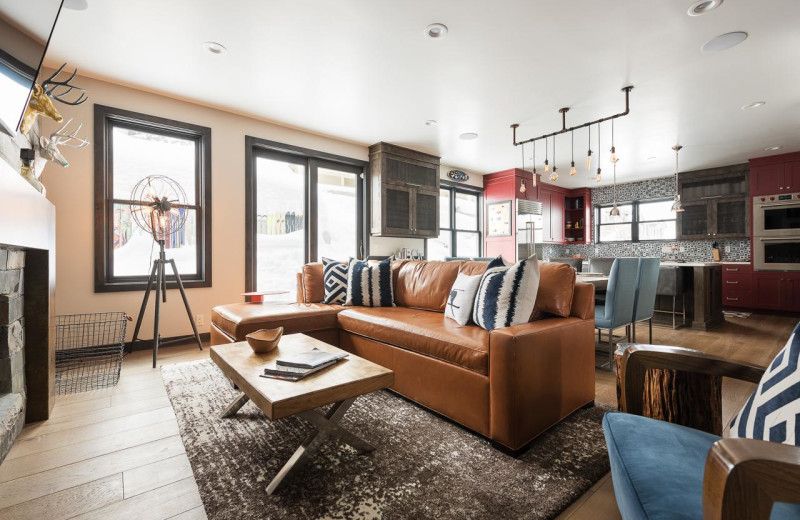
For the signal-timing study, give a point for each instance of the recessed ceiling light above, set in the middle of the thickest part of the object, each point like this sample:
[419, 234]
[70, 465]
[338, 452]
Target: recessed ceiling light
[723, 42]
[76, 5]
[651, 158]
[468, 136]
[772, 148]
[436, 31]
[754, 104]
[431, 122]
[703, 6]
[214, 47]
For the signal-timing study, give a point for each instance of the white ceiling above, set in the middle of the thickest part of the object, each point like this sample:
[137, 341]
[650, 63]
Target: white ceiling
[362, 71]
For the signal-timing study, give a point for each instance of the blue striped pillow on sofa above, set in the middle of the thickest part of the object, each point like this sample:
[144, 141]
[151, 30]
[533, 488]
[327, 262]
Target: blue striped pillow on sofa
[370, 285]
[773, 411]
[506, 295]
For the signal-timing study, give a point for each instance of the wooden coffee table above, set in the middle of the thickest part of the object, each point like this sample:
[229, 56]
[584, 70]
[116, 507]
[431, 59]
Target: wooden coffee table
[339, 385]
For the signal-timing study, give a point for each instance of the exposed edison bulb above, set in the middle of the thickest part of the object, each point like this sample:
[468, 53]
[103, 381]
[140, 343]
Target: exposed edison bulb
[546, 166]
[597, 177]
[534, 178]
[522, 188]
[573, 171]
[589, 161]
[614, 157]
[554, 175]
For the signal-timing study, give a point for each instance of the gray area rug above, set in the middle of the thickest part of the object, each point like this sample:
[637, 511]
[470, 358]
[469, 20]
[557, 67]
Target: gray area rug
[424, 466]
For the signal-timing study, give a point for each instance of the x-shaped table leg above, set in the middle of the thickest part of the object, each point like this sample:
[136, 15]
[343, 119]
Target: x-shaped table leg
[326, 425]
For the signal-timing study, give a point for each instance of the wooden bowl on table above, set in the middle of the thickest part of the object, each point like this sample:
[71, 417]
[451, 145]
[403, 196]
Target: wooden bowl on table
[264, 340]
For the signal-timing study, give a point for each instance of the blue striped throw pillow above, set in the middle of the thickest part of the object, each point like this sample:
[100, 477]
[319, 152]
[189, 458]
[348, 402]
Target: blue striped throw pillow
[773, 411]
[370, 285]
[334, 276]
[507, 295]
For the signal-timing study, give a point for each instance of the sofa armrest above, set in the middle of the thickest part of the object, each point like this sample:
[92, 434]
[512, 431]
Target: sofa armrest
[638, 358]
[744, 477]
[539, 372]
[583, 301]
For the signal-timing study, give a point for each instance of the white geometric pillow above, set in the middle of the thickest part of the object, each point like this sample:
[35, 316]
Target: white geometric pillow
[773, 411]
[507, 295]
[462, 296]
[334, 276]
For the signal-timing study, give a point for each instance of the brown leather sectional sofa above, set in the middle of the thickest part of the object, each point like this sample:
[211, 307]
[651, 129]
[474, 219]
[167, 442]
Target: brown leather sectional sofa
[509, 384]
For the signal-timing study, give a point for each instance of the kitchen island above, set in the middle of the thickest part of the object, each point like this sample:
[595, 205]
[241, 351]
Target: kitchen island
[704, 281]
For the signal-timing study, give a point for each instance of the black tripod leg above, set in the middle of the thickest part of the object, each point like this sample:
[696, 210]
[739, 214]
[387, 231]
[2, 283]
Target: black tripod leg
[186, 303]
[160, 275]
[144, 303]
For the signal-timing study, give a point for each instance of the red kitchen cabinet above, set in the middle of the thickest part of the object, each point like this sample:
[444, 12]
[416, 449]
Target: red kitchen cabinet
[769, 290]
[791, 177]
[775, 174]
[792, 288]
[506, 186]
[737, 285]
[553, 213]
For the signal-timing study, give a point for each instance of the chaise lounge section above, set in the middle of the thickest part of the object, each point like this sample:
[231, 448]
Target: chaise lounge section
[509, 384]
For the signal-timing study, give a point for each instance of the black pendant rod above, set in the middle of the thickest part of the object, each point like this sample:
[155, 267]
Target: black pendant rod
[564, 128]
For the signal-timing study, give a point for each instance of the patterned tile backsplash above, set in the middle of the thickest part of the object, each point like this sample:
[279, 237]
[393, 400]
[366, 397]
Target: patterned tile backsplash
[689, 250]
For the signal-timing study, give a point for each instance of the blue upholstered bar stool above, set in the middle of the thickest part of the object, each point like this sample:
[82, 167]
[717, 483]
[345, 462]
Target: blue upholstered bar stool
[644, 300]
[617, 310]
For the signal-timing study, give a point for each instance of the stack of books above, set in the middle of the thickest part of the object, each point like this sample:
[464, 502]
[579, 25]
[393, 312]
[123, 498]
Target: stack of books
[298, 366]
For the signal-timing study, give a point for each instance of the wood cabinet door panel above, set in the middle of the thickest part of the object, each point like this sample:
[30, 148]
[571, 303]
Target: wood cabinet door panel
[768, 179]
[426, 214]
[792, 177]
[695, 221]
[769, 290]
[397, 214]
[731, 218]
[557, 216]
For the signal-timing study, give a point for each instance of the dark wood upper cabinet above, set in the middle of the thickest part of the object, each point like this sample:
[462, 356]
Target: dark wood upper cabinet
[405, 192]
[715, 203]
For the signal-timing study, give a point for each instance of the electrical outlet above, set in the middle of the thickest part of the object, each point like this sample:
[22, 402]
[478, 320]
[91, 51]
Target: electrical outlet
[199, 320]
[727, 249]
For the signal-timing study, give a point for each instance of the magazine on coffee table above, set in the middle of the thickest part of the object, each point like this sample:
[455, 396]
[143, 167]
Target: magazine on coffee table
[311, 359]
[276, 370]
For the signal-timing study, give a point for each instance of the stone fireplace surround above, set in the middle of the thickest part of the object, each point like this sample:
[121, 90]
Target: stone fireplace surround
[27, 289]
[12, 347]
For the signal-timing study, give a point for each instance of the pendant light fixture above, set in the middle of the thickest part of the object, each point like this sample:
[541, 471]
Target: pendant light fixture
[615, 209]
[554, 175]
[599, 170]
[546, 162]
[572, 170]
[613, 150]
[534, 164]
[589, 153]
[676, 206]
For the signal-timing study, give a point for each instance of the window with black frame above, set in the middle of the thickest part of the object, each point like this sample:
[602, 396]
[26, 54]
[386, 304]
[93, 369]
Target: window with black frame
[638, 221]
[460, 232]
[301, 205]
[133, 146]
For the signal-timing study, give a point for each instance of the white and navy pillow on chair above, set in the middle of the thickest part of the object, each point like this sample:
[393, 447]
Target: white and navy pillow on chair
[334, 275]
[506, 295]
[773, 411]
[370, 285]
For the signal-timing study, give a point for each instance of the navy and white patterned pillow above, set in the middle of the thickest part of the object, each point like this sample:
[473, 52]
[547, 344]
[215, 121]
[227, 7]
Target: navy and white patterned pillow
[507, 295]
[370, 285]
[334, 276]
[773, 411]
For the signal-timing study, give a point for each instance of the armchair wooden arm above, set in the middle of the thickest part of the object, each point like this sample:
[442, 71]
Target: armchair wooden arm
[744, 477]
[638, 358]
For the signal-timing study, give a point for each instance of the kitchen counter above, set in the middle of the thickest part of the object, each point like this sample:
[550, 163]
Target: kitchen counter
[701, 264]
[706, 289]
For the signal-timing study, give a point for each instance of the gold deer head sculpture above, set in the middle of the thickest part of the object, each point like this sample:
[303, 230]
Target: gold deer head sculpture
[41, 104]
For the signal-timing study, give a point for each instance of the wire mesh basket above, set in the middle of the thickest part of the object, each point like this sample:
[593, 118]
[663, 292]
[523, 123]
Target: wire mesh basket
[89, 350]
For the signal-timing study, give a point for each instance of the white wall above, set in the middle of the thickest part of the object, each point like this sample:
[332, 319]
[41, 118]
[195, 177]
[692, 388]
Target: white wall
[72, 192]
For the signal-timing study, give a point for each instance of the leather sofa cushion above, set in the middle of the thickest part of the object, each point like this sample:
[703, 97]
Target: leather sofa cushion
[424, 332]
[473, 267]
[425, 285]
[240, 319]
[556, 289]
[313, 283]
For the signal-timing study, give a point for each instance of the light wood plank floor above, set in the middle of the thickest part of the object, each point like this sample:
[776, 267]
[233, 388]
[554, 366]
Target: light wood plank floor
[116, 453]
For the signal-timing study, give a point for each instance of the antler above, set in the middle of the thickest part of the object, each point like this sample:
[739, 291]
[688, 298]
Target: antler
[61, 137]
[51, 84]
